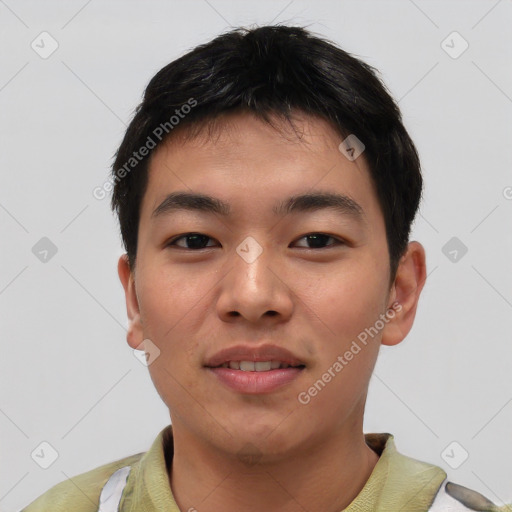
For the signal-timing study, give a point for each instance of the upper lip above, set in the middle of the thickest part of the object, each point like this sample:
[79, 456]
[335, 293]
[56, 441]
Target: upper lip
[252, 353]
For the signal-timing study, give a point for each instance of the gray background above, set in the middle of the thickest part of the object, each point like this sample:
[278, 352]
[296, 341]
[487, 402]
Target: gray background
[68, 376]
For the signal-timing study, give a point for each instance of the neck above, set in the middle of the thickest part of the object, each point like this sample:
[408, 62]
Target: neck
[326, 475]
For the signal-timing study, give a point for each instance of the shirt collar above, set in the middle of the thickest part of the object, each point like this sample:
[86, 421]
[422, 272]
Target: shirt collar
[396, 483]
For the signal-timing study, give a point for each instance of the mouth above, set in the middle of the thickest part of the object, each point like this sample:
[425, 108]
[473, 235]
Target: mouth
[255, 381]
[255, 370]
[258, 366]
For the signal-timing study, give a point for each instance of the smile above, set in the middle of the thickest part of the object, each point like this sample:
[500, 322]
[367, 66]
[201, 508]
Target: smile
[257, 366]
[255, 377]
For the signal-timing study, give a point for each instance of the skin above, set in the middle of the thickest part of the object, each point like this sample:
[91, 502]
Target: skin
[313, 301]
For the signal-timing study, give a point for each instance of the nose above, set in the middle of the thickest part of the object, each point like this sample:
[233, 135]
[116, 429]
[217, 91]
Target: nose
[257, 289]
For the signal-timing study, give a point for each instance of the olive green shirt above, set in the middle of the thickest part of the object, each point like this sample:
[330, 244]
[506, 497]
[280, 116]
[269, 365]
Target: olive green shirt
[397, 483]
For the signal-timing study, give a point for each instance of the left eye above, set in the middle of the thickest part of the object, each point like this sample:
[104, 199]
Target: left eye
[198, 240]
[319, 239]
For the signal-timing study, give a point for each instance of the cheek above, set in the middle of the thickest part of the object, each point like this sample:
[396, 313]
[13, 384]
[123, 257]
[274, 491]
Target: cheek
[352, 300]
[168, 297]
[170, 307]
[348, 305]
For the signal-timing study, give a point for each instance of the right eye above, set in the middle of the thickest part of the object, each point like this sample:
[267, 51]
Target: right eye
[193, 241]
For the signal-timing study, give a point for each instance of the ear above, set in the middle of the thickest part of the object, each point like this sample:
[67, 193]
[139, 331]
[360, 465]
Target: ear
[405, 293]
[134, 335]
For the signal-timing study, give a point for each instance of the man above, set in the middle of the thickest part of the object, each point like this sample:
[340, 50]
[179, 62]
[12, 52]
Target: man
[265, 190]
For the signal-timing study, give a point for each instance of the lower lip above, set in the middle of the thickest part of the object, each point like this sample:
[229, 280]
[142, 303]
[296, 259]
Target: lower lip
[256, 382]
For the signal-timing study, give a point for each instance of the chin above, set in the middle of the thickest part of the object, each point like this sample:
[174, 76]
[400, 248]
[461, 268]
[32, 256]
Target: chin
[271, 438]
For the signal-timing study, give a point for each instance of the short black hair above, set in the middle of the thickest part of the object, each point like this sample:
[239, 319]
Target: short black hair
[273, 70]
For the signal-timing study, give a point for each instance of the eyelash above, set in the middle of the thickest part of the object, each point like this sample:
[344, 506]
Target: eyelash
[172, 242]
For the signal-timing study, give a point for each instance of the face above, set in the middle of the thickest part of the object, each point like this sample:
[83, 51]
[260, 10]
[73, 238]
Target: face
[250, 307]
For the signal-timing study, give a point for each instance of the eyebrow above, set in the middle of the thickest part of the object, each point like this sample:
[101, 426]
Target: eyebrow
[308, 202]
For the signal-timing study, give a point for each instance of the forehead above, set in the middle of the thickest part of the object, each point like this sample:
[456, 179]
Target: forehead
[243, 159]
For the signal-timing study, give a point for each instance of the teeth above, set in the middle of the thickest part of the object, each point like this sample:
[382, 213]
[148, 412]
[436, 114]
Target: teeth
[255, 366]
[262, 366]
[247, 366]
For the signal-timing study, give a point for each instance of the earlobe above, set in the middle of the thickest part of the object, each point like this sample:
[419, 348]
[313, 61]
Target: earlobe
[404, 297]
[134, 333]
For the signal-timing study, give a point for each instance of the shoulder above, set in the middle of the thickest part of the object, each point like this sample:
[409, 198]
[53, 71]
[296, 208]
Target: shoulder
[79, 493]
[457, 498]
[409, 480]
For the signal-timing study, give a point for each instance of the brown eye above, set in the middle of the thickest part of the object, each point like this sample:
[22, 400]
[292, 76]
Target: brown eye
[193, 241]
[318, 240]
